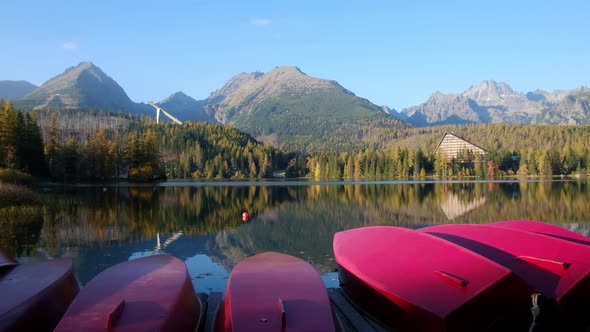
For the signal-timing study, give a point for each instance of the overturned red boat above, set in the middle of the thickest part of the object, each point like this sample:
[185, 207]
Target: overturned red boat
[275, 292]
[545, 229]
[413, 281]
[34, 296]
[559, 270]
[152, 293]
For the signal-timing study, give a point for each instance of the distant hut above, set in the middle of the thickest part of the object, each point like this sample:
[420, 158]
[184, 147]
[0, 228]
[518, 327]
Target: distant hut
[451, 145]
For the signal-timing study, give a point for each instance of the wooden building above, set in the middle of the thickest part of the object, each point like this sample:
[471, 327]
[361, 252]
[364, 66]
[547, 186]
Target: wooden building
[451, 145]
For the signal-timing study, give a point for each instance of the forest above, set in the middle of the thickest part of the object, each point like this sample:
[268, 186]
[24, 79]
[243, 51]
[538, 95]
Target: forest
[132, 148]
[76, 145]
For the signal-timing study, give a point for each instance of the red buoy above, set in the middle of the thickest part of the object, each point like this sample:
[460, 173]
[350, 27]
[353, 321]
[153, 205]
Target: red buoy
[245, 217]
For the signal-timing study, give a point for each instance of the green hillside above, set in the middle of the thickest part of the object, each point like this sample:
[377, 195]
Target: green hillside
[317, 122]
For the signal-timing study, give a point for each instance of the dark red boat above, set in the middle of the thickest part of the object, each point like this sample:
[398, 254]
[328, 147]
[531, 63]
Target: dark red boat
[559, 270]
[275, 292]
[34, 296]
[152, 293]
[545, 229]
[413, 281]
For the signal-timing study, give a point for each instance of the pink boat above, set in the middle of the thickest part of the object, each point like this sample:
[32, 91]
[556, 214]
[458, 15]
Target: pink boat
[560, 270]
[34, 296]
[545, 229]
[275, 292]
[152, 293]
[413, 281]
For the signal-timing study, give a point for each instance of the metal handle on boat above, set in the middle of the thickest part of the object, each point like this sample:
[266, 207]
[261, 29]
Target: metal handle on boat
[115, 314]
[544, 263]
[455, 279]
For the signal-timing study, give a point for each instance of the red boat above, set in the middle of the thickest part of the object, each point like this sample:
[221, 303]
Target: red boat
[6, 260]
[152, 293]
[559, 270]
[545, 229]
[275, 292]
[34, 296]
[413, 281]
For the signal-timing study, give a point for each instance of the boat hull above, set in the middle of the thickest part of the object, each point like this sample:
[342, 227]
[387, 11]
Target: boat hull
[152, 293]
[557, 269]
[275, 292]
[544, 229]
[34, 296]
[412, 281]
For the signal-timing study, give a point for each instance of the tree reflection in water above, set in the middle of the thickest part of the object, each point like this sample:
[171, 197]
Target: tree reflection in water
[99, 228]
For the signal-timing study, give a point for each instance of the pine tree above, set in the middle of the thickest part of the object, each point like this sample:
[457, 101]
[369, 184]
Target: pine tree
[132, 151]
[544, 163]
[478, 166]
[523, 170]
[440, 164]
[422, 173]
[71, 158]
[253, 171]
[418, 162]
[150, 148]
[349, 168]
[8, 132]
[19, 141]
[265, 167]
[358, 166]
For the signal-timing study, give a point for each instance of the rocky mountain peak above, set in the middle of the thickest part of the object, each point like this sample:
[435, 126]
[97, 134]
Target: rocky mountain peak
[496, 102]
[235, 83]
[83, 67]
[489, 91]
[292, 80]
[185, 107]
[86, 65]
[285, 103]
[81, 86]
[178, 97]
[286, 70]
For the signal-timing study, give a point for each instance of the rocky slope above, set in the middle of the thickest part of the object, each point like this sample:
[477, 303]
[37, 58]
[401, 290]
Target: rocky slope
[84, 86]
[287, 108]
[185, 108]
[497, 102]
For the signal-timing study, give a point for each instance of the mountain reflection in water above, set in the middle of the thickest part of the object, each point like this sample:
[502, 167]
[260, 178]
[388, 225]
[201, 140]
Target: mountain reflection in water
[202, 224]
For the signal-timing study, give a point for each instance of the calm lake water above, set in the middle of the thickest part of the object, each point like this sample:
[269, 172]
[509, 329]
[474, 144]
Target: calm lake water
[200, 222]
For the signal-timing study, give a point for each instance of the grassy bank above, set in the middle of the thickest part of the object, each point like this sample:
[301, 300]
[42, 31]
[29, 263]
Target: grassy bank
[15, 195]
[21, 218]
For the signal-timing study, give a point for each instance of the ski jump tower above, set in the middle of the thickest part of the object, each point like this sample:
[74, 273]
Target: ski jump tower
[159, 109]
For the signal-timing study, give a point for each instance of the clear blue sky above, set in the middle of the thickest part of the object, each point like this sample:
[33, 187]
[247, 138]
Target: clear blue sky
[394, 53]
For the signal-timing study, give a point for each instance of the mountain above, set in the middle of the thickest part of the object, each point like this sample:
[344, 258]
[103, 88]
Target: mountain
[490, 92]
[284, 107]
[497, 102]
[185, 107]
[442, 109]
[289, 109]
[15, 89]
[571, 108]
[84, 86]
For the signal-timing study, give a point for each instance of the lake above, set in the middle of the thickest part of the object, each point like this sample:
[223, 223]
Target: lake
[201, 222]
